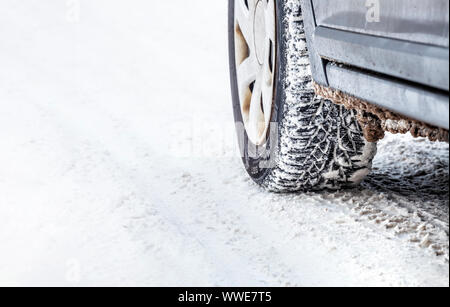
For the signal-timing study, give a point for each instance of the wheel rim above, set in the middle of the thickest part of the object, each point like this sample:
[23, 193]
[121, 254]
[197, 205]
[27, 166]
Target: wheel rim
[255, 41]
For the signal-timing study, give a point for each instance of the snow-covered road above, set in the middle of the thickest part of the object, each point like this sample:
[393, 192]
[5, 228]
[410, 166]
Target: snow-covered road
[118, 166]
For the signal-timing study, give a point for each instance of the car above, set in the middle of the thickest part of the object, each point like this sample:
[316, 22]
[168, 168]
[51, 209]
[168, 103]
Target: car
[316, 83]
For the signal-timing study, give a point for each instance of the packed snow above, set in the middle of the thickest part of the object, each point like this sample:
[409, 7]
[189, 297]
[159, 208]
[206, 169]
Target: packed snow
[118, 166]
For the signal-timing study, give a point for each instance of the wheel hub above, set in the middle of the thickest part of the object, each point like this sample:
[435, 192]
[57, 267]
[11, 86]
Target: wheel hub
[255, 42]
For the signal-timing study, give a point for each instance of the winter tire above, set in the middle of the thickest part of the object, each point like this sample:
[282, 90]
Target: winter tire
[290, 139]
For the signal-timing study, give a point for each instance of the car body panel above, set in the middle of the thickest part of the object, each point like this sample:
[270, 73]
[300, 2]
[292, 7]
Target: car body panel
[423, 64]
[402, 53]
[412, 101]
[420, 21]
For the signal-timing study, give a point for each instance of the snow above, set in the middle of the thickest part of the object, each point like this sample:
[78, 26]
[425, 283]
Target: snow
[118, 166]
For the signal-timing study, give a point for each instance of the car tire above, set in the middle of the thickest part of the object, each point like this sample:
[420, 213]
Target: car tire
[290, 140]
